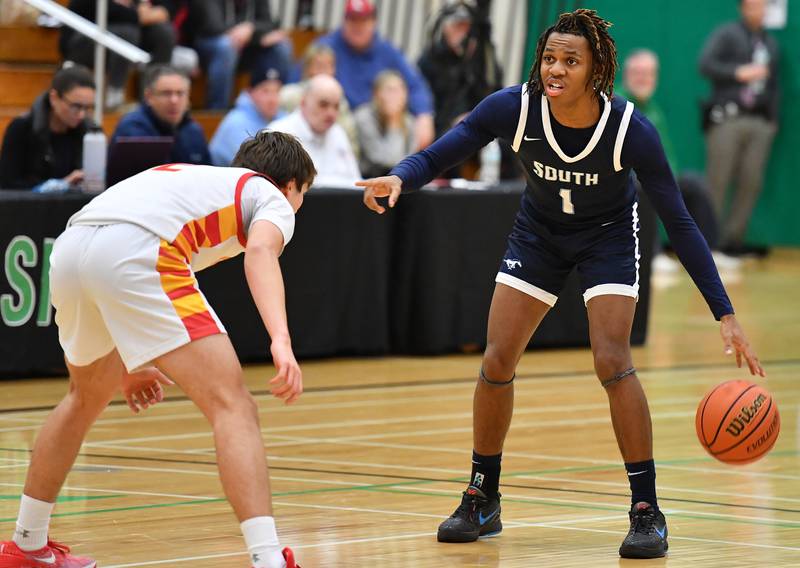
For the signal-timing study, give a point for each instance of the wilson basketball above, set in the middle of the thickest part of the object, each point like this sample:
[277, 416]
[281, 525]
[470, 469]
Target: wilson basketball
[737, 422]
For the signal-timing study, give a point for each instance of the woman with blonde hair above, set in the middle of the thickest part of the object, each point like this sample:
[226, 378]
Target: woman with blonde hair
[385, 126]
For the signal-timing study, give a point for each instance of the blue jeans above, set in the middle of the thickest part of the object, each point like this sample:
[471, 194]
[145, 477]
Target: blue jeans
[221, 59]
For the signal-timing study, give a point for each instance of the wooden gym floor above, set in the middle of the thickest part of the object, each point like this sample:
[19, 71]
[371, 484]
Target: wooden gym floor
[376, 453]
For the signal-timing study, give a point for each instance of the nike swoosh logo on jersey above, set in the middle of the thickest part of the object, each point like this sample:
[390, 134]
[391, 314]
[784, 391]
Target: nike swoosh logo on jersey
[530, 139]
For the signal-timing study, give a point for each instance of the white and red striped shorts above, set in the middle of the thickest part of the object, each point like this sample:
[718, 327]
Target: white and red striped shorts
[122, 286]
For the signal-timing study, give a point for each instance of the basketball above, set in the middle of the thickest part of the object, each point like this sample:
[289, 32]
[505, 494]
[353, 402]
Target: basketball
[737, 422]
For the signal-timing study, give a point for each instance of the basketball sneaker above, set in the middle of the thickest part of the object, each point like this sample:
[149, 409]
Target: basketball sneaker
[54, 555]
[647, 537]
[476, 516]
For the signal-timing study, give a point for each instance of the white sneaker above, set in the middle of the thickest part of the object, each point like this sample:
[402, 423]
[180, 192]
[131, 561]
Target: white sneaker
[725, 262]
[665, 265]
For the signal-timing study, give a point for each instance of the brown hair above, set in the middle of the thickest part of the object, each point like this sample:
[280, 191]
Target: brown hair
[277, 155]
[384, 77]
[154, 72]
[584, 23]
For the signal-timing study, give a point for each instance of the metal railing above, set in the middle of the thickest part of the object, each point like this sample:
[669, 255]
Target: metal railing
[100, 35]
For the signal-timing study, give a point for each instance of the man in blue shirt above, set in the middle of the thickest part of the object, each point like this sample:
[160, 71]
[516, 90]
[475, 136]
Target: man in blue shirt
[578, 144]
[255, 108]
[165, 113]
[361, 54]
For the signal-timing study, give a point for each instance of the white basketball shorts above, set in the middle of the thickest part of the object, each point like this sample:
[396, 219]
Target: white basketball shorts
[121, 286]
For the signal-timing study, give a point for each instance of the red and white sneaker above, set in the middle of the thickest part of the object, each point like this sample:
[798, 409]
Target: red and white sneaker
[54, 555]
[289, 556]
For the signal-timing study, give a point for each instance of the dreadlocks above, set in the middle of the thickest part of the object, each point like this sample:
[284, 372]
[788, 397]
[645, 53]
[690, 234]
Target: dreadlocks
[588, 24]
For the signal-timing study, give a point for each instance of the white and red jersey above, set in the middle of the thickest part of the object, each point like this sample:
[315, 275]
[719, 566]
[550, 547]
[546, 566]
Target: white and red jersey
[203, 214]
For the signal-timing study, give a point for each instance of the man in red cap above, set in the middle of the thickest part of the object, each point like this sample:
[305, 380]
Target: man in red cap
[361, 54]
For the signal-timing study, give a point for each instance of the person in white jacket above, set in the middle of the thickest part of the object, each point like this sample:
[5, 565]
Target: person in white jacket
[314, 124]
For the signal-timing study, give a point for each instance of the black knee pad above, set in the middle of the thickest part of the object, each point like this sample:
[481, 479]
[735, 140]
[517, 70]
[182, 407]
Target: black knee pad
[618, 377]
[492, 383]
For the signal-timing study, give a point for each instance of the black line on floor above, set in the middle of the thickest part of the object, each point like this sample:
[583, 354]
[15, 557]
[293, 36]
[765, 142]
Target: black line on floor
[433, 382]
[339, 473]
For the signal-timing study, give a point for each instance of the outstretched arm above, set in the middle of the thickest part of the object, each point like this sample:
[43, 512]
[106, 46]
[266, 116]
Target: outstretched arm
[494, 117]
[647, 157]
[264, 246]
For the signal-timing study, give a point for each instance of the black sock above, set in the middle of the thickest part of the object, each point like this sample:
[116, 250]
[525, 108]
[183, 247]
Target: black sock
[486, 473]
[642, 477]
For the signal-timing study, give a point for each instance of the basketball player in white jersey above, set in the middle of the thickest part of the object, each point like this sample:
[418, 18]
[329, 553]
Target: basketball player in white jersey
[130, 314]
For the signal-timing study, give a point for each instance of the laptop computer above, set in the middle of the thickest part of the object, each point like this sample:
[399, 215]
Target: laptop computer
[129, 155]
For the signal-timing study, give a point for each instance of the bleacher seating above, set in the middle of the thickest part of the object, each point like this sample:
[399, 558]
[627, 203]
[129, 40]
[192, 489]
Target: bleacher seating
[29, 56]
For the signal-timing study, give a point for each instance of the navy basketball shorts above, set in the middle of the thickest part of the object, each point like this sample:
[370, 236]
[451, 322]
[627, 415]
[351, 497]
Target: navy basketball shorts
[540, 257]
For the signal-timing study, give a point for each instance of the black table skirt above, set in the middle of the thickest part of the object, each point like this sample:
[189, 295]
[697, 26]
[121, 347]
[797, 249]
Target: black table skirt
[417, 280]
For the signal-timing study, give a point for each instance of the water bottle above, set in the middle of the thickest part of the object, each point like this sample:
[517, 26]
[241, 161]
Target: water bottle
[94, 161]
[490, 163]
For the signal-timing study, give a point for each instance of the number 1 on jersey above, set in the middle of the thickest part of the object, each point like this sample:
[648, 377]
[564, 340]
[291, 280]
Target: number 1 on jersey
[566, 201]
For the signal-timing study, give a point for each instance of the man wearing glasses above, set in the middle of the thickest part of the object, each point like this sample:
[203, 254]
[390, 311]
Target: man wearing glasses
[165, 112]
[43, 149]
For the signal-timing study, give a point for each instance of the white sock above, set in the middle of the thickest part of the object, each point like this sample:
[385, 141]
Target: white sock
[262, 542]
[32, 523]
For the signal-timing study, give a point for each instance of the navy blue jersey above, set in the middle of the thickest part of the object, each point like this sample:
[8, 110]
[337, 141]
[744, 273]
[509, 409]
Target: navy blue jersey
[578, 177]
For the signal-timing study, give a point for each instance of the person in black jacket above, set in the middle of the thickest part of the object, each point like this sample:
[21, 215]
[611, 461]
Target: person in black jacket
[46, 144]
[139, 22]
[231, 34]
[461, 67]
[460, 63]
[740, 59]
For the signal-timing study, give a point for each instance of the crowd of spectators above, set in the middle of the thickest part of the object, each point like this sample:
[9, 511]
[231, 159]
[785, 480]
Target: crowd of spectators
[359, 106]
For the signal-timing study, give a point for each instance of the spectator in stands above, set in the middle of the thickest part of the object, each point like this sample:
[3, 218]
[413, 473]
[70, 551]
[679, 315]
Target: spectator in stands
[361, 53]
[140, 22]
[320, 60]
[43, 149]
[255, 108]
[165, 113]
[640, 79]
[230, 35]
[741, 61]
[459, 62]
[385, 127]
[314, 123]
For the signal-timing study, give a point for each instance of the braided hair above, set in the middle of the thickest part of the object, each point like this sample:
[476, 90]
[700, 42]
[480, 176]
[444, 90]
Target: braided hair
[588, 24]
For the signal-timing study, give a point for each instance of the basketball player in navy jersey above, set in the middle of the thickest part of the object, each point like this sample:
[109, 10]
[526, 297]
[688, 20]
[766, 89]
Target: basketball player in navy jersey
[578, 144]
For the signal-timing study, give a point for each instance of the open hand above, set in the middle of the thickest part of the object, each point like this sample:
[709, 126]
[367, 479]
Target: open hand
[735, 342]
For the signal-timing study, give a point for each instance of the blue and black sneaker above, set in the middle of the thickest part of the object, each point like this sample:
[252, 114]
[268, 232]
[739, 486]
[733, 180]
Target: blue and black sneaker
[476, 516]
[648, 535]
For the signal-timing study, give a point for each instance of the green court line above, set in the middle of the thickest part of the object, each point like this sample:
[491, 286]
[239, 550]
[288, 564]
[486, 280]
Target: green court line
[389, 488]
[131, 508]
[67, 498]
